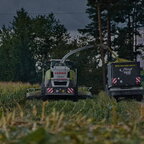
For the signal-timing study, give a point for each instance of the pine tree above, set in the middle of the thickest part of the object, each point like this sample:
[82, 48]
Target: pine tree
[28, 40]
[49, 38]
[25, 66]
[120, 22]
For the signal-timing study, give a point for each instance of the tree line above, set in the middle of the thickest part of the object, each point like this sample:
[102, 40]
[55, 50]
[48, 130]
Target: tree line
[26, 41]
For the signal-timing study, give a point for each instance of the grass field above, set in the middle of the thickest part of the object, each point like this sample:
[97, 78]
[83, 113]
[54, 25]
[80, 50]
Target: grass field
[99, 120]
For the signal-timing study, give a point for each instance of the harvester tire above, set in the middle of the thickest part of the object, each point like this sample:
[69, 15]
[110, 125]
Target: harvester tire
[75, 98]
[76, 91]
[42, 90]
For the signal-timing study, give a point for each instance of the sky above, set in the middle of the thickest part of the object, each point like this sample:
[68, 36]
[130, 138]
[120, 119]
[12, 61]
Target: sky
[71, 13]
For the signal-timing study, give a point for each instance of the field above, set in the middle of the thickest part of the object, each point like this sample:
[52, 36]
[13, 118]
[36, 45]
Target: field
[99, 120]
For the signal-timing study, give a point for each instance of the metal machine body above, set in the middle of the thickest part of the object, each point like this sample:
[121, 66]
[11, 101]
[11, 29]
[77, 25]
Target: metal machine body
[60, 79]
[123, 77]
[124, 80]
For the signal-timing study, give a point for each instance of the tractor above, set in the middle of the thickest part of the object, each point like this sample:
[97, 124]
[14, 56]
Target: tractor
[60, 79]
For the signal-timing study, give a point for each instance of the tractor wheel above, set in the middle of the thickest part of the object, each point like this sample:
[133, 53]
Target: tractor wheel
[139, 97]
[116, 98]
[76, 91]
[43, 96]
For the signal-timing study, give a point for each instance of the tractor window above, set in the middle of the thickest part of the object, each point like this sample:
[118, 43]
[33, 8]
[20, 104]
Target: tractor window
[60, 64]
[54, 63]
[67, 63]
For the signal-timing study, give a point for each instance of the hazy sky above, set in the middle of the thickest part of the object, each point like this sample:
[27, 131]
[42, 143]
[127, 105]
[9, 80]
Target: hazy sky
[71, 13]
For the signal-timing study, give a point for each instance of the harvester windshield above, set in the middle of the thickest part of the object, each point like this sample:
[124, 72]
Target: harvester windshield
[56, 62]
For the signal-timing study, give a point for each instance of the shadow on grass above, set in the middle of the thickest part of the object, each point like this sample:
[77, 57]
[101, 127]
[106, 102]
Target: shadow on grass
[61, 97]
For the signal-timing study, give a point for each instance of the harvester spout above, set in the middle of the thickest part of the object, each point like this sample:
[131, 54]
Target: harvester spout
[75, 51]
[84, 48]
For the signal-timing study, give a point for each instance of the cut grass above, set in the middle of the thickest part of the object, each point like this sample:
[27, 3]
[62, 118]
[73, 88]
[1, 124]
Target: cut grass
[12, 93]
[100, 120]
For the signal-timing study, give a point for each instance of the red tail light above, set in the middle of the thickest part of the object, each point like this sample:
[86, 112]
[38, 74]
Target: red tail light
[138, 80]
[114, 80]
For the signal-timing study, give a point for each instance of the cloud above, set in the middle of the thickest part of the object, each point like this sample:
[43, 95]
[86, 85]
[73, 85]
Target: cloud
[71, 13]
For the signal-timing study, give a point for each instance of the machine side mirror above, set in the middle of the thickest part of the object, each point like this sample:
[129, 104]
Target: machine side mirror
[38, 67]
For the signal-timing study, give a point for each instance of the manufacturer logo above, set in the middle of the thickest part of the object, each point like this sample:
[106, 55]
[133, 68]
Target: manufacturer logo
[126, 71]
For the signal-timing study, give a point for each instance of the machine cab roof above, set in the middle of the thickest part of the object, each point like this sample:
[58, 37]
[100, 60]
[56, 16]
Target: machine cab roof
[56, 62]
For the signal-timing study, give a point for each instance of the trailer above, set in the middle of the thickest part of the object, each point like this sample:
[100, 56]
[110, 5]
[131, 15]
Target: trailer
[124, 80]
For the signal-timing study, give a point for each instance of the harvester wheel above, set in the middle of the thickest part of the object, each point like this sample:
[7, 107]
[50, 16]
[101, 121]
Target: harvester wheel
[76, 91]
[42, 90]
[75, 97]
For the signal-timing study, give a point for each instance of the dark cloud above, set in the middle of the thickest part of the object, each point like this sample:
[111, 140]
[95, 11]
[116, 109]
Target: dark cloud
[71, 13]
